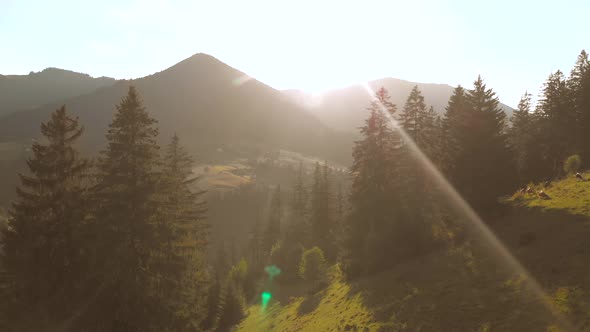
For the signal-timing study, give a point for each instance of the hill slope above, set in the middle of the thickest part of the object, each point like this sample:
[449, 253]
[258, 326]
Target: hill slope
[18, 92]
[467, 287]
[343, 109]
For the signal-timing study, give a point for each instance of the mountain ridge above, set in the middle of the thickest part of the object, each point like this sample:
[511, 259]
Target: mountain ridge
[343, 108]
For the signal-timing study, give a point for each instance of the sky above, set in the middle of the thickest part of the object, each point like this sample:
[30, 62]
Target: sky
[312, 45]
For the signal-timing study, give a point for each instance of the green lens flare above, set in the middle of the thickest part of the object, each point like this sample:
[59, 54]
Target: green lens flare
[266, 296]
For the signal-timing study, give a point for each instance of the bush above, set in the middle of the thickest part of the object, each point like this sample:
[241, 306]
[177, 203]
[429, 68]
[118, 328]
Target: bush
[312, 267]
[572, 164]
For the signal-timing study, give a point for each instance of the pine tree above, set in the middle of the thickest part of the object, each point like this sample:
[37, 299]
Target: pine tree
[418, 123]
[272, 233]
[42, 254]
[579, 88]
[524, 140]
[483, 163]
[558, 121]
[298, 229]
[182, 237]
[374, 183]
[454, 124]
[255, 245]
[131, 247]
[322, 226]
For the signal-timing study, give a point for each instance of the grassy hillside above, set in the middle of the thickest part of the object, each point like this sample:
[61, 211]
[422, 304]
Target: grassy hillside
[466, 287]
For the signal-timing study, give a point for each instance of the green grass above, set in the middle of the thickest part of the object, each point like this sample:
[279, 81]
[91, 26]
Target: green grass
[221, 177]
[331, 309]
[570, 195]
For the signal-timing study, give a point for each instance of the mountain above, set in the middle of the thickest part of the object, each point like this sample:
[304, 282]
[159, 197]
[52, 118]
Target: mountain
[19, 92]
[343, 109]
[210, 105]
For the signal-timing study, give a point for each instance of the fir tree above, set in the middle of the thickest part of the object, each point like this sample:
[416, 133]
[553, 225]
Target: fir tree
[579, 88]
[182, 237]
[133, 242]
[418, 123]
[557, 120]
[298, 229]
[42, 256]
[482, 158]
[374, 181]
[454, 124]
[272, 233]
[322, 226]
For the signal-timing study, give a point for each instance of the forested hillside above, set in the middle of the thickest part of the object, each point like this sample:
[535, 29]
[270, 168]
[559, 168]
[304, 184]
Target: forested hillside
[457, 222]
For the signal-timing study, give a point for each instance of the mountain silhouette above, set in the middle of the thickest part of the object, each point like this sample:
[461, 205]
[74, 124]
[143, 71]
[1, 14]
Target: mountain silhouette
[18, 92]
[209, 104]
[344, 109]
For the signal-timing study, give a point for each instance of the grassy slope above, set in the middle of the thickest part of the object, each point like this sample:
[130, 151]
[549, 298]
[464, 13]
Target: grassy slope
[466, 288]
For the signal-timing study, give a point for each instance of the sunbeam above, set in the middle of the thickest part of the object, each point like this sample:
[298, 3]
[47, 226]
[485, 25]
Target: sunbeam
[465, 210]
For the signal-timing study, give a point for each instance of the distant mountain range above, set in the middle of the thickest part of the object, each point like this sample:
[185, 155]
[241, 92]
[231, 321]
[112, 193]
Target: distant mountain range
[345, 109]
[210, 105]
[18, 92]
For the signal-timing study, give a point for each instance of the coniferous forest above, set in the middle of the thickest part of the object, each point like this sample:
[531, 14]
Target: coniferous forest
[121, 240]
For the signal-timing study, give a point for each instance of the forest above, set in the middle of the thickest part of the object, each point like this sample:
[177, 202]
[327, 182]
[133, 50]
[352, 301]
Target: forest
[121, 241]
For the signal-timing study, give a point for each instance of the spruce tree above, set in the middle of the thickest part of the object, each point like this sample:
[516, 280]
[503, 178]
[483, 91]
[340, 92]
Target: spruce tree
[298, 229]
[483, 163]
[132, 239]
[374, 182]
[524, 138]
[322, 226]
[558, 121]
[579, 89]
[43, 257]
[418, 123]
[454, 124]
[182, 238]
[272, 233]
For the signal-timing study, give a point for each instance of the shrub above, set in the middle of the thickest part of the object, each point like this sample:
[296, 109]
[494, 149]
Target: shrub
[312, 267]
[572, 164]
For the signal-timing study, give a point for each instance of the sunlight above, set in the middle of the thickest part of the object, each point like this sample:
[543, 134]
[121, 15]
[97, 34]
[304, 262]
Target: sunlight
[464, 209]
[241, 80]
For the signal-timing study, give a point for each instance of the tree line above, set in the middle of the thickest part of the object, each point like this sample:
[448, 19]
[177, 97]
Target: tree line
[394, 204]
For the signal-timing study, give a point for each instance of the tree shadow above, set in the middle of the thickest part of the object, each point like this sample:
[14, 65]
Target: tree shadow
[310, 303]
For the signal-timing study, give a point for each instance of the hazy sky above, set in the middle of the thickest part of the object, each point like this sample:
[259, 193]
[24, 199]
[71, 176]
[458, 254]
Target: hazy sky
[311, 45]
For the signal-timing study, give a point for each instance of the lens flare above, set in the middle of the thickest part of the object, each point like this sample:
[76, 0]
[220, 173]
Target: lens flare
[241, 80]
[459, 204]
[266, 296]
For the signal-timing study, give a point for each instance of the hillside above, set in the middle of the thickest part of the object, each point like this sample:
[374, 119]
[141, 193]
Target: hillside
[19, 92]
[343, 108]
[465, 288]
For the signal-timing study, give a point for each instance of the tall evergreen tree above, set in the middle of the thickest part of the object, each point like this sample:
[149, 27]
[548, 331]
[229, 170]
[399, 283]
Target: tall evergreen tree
[558, 121]
[132, 247]
[374, 183]
[298, 229]
[322, 225]
[418, 122]
[42, 255]
[454, 124]
[272, 233]
[482, 162]
[579, 88]
[182, 237]
[524, 140]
